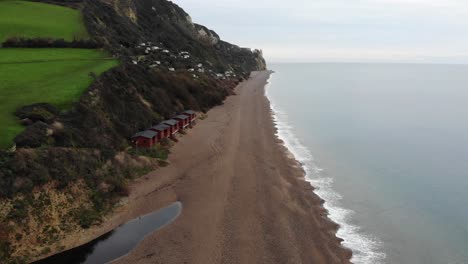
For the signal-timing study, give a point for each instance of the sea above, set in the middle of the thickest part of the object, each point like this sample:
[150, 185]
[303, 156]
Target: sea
[386, 147]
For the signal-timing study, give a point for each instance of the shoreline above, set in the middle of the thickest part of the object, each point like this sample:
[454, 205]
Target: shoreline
[246, 199]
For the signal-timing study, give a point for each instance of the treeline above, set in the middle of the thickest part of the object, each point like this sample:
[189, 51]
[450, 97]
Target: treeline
[49, 43]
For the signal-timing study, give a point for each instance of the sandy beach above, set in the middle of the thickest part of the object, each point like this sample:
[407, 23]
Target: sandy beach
[244, 198]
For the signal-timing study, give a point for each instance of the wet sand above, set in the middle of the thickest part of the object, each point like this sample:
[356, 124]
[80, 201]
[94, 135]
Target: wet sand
[245, 199]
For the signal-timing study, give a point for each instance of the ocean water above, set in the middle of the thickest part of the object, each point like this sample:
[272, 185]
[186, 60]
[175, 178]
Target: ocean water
[386, 146]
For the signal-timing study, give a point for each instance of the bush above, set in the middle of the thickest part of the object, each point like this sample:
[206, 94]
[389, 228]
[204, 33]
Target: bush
[156, 152]
[38, 112]
[87, 217]
[19, 211]
[49, 43]
[5, 250]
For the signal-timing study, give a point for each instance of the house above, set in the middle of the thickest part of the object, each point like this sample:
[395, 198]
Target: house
[192, 114]
[145, 138]
[173, 124]
[163, 130]
[172, 69]
[183, 120]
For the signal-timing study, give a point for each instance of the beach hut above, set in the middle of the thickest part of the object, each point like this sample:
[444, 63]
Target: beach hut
[192, 114]
[173, 124]
[145, 138]
[163, 130]
[183, 120]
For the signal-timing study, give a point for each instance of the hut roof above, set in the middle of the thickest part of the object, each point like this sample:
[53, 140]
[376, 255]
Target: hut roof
[160, 127]
[171, 122]
[146, 134]
[190, 112]
[181, 117]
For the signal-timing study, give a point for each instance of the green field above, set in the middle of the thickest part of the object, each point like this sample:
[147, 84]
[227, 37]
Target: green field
[30, 19]
[56, 76]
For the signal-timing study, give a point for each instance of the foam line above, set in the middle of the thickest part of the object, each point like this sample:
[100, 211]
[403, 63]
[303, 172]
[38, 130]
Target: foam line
[366, 248]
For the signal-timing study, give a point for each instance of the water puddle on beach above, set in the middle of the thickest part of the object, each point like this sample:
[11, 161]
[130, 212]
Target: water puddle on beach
[118, 242]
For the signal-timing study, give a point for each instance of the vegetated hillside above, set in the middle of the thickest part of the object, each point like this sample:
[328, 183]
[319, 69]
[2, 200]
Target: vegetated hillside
[55, 76]
[123, 24]
[28, 19]
[150, 37]
[70, 167]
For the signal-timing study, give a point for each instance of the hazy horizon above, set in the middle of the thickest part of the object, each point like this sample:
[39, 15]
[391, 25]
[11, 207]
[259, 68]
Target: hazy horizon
[404, 31]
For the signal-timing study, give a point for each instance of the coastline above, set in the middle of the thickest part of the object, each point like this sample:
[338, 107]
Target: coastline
[365, 248]
[245, 197]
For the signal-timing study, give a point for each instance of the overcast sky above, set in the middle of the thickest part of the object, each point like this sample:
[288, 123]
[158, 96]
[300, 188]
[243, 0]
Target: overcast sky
[341, 30]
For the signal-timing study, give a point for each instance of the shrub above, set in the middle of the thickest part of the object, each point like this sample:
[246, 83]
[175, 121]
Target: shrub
[19, 210]
[87, 217]
[156, 152]
[49, 43]
[5, 249]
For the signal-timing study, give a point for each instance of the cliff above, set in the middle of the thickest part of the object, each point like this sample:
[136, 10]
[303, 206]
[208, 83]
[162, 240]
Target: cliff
[71, 167]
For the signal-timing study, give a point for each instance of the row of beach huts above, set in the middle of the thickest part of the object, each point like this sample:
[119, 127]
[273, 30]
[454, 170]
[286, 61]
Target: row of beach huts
[165, 129]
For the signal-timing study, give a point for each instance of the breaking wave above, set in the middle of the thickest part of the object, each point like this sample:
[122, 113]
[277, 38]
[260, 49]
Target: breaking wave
[366, 249]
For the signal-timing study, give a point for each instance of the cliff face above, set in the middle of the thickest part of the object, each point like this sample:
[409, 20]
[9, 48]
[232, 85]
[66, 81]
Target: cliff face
[123, 24]
[168, 64]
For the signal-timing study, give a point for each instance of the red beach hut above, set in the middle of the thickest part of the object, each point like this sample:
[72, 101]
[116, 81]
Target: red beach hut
[173, 124]
[145, 138]
[183, 120]
[163, 130]
[192, 114]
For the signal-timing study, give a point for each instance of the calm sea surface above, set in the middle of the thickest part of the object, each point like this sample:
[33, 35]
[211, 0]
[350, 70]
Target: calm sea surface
[387, 147]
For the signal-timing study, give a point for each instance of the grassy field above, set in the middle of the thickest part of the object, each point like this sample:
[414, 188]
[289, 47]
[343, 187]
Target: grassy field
[56, 76]
[30, 19]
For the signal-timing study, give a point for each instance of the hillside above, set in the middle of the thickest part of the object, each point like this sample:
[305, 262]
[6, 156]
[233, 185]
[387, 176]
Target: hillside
[55, 76]
[73, 160]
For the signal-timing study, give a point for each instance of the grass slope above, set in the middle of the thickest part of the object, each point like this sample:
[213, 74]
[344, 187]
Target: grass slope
[31, 19]
[56, 76]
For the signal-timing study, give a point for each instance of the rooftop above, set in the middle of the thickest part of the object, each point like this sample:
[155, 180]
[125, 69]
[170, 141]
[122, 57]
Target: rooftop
[171, 122]
[181, 117]
[190, 112]
[160, 127]
[146, 134]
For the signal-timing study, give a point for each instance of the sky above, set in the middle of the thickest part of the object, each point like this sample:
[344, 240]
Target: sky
[415, 31]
